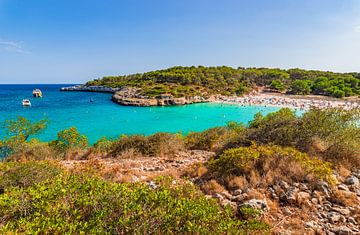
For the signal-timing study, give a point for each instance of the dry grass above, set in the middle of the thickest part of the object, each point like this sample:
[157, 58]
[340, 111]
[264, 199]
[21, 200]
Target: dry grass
[345, 198]
[195, 170]
[212, 186]
[236, 182]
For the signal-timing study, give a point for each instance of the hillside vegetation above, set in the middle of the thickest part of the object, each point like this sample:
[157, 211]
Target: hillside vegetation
[38, 194]
[190, 81]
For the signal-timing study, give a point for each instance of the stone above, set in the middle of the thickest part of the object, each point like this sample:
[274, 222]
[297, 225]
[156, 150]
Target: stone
[352, 180]
[286, 211]
[314, 200]
[226, 202]
[290, 195]
[301, 197]
[226, 194]
[342, 230]
[217, 196]
[238, 198]
[342, 211]
[333, 217]
[310, 224]
[152, 185]
[351, 220]
[343, 187]
[283, 184]
[237, 192]
[257, 204]
[322, 186]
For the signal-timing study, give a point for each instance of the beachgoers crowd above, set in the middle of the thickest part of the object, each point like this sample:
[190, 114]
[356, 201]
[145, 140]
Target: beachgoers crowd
[267, 100]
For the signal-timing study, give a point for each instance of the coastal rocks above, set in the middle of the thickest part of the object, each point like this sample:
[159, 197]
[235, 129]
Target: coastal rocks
[90, 88]
[130, 96]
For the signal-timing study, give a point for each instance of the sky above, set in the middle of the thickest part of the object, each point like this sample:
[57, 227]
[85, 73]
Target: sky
[73, 41]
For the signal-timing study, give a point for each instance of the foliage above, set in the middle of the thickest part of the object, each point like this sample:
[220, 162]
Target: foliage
[103, 145]
[18, 132]
[301, 87]
[190, 81]
[335, 132]
[80, 204]
[209, 140]
[270, 162]
[69, 138]
[277, 85]
[24, 175]
[277, 128]
[157, 145]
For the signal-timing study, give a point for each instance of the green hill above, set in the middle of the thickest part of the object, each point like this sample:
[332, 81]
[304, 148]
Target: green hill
[189, 81]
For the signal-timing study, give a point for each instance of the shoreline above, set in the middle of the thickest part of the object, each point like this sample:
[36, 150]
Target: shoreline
[289, 101]
[265, 99]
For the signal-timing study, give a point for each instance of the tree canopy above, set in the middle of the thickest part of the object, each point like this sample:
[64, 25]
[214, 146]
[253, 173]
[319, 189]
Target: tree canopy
[190, 81]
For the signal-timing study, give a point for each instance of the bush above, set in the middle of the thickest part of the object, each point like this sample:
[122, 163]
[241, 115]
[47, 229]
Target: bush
[209, 140]
[103, 146]
[23, 175]
[157, 145]
[68, 139]
[277, 85]
[338, 132]
[77, 204]
[276, 128]
[18, 132]
[269, 163]
[34, 150]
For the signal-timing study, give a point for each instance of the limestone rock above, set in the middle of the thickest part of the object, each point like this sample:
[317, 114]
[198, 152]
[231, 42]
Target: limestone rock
[257, 204]
[352, 180]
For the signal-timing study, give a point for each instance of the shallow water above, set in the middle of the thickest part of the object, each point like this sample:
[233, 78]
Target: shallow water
[105, 118]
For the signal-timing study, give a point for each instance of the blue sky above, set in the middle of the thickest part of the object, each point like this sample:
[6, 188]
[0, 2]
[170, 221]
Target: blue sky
[72, 41]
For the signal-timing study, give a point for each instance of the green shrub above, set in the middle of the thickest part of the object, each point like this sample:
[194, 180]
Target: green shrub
[336, 131]
[103, 145]
[210, 140]
[77, 204]
[18, 132]
[23, 175]
[277, 85]
[277, 128]
[270, 163]
[68, 139]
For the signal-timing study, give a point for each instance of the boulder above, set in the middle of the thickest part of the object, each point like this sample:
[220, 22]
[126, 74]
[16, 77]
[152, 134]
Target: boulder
[333, 217]
[301, 197]
[342, 230]
[343, 187]
[290, 195]
[257, 204]
[342, 211]
[352, 180]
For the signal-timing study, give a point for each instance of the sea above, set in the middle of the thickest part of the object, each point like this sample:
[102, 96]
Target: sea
[96, 116]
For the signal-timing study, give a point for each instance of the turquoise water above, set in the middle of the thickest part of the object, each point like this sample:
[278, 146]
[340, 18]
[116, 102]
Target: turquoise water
[104, 118]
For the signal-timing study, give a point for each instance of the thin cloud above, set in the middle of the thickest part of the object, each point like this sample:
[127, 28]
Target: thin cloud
[12, 46]
[357, 29]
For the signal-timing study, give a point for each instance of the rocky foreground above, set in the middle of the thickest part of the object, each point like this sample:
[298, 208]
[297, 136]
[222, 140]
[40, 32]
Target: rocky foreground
[291, 208]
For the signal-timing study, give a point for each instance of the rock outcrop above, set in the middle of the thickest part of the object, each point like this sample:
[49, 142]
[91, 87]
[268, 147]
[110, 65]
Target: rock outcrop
[130, 96]
[302, 208]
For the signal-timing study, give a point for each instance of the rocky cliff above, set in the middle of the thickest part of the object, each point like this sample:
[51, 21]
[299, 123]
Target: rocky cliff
[130, 96]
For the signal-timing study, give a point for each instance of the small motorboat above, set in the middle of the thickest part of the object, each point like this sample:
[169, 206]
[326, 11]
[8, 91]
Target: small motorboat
[26, 102]
[37, 93]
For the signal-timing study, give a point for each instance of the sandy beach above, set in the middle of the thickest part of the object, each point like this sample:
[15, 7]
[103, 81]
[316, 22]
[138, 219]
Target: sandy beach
[290, 101]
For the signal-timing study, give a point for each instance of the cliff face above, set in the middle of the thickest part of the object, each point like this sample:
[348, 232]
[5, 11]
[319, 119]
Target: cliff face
[130, 97]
